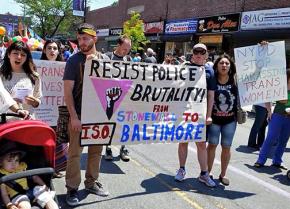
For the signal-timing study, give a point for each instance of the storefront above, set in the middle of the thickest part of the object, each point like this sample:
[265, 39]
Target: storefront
[102, 43]
[153, 32]
[114, 34]
[178, 36]
[217, 32]
[270, 25]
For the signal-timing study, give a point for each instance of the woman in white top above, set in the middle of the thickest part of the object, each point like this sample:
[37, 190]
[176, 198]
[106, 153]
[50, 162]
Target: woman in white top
[19, 76]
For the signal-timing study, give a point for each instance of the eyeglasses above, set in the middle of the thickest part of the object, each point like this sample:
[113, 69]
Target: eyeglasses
[226, 63]
[196, 52]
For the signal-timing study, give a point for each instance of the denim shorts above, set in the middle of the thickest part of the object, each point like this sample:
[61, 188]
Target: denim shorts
[226, 131]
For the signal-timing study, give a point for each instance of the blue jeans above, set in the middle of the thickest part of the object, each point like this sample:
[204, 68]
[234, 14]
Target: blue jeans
[279, 130]
[259, 127]
[226, 131]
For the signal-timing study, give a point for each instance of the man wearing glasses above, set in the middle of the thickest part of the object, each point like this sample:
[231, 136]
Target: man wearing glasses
[198, 59]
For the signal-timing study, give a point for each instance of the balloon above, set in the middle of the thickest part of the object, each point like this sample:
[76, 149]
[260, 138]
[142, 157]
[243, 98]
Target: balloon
[2, 31]
[25, 39]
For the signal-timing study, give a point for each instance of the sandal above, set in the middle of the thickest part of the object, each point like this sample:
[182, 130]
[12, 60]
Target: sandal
[225, 181]
[258, 165]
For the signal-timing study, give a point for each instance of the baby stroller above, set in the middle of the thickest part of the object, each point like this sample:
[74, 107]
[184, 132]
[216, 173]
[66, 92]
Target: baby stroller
[37, 139]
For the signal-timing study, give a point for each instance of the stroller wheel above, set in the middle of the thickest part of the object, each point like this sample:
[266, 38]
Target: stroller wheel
[288, 174]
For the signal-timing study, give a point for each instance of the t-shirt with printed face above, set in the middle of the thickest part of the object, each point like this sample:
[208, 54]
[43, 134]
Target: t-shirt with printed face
[225, 103]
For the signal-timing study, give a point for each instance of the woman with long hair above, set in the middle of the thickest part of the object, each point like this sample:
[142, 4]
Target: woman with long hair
[224, 113]
[19, 76]
[51, 52]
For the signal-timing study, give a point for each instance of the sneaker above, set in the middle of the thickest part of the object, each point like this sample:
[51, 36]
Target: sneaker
[98, 189]
[280, 166]
[180, 175]
[124, 155]
[207, 180]
[72, 198]
[108, 154]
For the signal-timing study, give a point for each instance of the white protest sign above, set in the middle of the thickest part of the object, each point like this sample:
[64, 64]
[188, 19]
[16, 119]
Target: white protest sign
[51, 74]
[133, 103]
[261, 73]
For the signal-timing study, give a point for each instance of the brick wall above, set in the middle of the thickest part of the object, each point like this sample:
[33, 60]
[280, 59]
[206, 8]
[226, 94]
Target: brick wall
[172, 9]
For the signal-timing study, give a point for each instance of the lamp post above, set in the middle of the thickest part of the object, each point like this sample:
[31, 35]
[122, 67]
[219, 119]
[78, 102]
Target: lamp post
[85, 10]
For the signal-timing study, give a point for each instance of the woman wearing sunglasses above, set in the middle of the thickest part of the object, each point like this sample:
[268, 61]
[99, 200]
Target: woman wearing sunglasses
[223, 115]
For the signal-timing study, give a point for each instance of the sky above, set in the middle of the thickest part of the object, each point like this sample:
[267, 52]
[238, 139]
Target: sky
[14, 8]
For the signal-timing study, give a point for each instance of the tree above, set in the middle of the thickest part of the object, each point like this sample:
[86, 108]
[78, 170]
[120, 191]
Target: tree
[134, 28]
[49, 16]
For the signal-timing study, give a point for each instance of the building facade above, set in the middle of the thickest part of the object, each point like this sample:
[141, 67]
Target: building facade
[218, 22]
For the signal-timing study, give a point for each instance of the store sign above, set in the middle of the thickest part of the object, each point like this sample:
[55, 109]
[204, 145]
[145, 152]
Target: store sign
[116, 31]
[180, 26]
[219, 24]
[102, 32]
[154, 27]
[266, 19]
[212, 39]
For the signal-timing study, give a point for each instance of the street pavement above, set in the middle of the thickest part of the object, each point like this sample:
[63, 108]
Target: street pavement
[147, 181]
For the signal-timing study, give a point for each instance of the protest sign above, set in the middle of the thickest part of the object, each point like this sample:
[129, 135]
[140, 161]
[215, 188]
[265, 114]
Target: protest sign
[261, 73]
[133, 103]
[51, 74]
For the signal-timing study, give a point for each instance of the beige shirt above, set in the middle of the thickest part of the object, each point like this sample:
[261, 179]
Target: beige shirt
[20, 82]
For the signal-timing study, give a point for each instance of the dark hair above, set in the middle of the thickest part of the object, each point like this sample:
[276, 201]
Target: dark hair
[122, 38]
[28, 66]
[232, 71]
[10, 155]
[84, 26]
[43, 55]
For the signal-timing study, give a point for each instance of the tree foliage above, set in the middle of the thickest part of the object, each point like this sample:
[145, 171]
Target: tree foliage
[49, 16]
[134, 28]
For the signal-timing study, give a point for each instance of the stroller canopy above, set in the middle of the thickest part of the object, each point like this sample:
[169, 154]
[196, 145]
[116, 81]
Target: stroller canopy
[31, 132]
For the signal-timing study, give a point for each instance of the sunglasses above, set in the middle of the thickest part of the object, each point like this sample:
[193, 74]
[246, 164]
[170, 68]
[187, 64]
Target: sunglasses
[196, 52]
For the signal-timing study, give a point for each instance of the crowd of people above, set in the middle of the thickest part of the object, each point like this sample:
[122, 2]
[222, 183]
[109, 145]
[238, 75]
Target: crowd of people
[18, 71]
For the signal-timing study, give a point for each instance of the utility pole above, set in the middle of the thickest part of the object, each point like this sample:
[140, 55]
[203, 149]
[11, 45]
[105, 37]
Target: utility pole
[85, 10]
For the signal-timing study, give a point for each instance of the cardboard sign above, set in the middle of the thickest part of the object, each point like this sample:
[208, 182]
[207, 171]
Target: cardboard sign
[133, 103]
[261, 73]
[51, 74]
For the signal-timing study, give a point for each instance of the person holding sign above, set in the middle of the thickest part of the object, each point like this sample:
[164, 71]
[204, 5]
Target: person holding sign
[278, 130]
[223, 115]
[51, 51]
[198, 59]
[73, 85]
[121, 53]
[19, 76]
